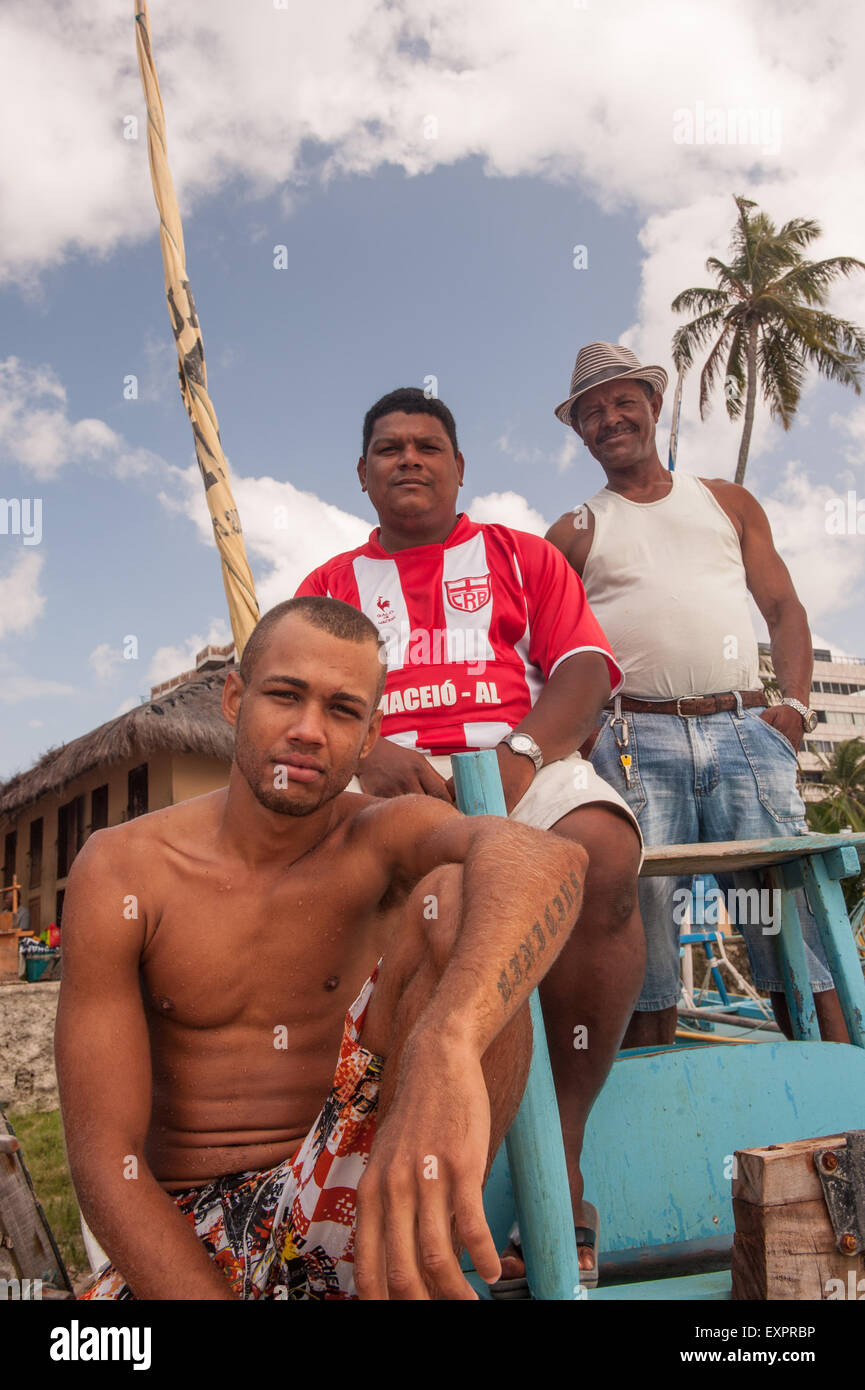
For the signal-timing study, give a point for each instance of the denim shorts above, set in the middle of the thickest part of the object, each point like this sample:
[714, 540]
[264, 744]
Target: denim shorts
[724, 776]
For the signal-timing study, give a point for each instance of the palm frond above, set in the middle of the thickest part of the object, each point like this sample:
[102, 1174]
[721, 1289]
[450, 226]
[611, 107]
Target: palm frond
[711, 370]
[695, 334]
[800, 231]
[700, 298]
[835, 347]
[729, 275]
[735, 380]
[782, 373]
[810, 280]
[837, 335]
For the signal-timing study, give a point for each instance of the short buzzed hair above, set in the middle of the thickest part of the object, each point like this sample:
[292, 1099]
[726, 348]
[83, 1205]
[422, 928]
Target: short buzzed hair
[409, 400]
[329, 615]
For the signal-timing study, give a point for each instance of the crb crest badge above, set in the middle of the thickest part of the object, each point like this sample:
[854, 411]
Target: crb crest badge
[468, 595]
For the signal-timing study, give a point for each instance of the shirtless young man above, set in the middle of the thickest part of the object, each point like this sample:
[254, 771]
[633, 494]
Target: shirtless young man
[211, 951]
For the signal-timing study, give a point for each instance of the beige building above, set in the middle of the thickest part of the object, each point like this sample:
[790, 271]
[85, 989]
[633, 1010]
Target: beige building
[174, 746]
[838, 696]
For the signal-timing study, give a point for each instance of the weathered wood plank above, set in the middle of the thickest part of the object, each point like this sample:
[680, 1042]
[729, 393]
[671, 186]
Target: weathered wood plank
[19, 1222]
[758, 1272]
[22, 1222]
[798, 1228]
[781, 1174]
[740, 854]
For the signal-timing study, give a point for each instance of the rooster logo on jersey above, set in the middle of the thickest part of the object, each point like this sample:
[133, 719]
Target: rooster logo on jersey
[468, 595]
[385, 613]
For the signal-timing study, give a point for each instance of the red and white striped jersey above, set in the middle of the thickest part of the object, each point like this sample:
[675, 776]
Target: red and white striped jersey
[474, 628]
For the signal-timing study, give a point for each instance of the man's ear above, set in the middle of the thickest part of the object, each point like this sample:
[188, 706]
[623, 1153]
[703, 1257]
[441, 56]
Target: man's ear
[232, 694]
[361, 472]
[372, 733]
[461, 467]
[655, 405]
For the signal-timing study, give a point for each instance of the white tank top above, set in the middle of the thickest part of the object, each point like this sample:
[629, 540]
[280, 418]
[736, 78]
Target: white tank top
[666, 581]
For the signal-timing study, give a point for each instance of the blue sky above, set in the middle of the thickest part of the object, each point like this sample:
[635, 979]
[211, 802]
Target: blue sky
[452, 259]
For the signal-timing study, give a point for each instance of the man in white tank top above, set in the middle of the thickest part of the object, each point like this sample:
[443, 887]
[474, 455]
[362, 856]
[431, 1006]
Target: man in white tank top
[667, 561]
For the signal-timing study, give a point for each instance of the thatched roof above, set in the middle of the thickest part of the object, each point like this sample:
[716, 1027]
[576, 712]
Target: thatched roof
[187, 719]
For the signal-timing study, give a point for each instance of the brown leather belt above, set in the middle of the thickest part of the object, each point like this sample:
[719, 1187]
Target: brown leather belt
[689, 706]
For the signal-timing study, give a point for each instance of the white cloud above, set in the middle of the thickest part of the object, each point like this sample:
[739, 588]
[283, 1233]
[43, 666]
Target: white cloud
[105, 660]
[851, 425]
[16, 685]
[823, 644]
[172, 661]
[287, 532]
[37, 433]
[126, 706]
[567, 453]
[534, 457]
[21, 601]
[282, 98]
[827, 570]
[278, 97]
[508, 509]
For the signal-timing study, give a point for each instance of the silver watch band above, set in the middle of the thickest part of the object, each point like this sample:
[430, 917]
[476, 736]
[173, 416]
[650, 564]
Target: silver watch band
[525, 747]
[797, 704]
[808, 716]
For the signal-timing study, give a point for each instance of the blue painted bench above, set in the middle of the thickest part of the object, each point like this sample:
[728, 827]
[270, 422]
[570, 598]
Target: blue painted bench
[662, 1134]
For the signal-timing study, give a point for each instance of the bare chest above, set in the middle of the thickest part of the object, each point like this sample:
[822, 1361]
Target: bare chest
[285, 957]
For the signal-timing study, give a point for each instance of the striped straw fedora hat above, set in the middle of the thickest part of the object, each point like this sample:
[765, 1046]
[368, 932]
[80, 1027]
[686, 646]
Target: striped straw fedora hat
[599, 362]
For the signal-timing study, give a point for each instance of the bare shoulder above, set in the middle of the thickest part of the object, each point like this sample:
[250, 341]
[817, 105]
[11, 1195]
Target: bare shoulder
[733, 494]
[395, 819]
[129, 859]
[135, 840]
[399, 837]
[740, 505]
[572, 534]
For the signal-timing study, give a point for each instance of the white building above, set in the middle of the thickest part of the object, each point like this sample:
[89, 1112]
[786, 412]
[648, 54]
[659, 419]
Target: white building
[838, 696]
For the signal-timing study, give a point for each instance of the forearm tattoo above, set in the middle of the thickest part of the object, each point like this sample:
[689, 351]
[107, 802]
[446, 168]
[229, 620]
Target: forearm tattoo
[557, 913]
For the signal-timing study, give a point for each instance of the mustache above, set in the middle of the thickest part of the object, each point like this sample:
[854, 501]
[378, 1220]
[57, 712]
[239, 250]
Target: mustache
[619, 429]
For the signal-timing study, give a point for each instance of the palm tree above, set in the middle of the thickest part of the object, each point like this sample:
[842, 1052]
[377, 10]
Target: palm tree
[771, 688]
[843, 807]
[767, 320]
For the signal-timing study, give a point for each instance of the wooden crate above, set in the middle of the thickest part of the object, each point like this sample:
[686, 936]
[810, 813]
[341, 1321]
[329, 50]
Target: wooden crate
[784, 1246]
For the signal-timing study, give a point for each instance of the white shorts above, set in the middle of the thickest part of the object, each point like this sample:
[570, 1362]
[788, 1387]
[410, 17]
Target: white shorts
[559, 787]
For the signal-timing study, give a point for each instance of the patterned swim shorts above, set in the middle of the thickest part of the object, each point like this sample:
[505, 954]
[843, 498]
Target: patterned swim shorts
[288, 1233]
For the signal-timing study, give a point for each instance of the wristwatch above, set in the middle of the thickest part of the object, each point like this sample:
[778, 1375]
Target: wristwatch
[809, 716]
[526, 746]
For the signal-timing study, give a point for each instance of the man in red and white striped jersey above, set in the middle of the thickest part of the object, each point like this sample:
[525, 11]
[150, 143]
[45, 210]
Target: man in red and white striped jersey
[491, 644]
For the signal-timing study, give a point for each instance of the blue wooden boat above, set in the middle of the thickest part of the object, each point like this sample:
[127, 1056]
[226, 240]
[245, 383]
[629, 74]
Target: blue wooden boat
[662, 1135]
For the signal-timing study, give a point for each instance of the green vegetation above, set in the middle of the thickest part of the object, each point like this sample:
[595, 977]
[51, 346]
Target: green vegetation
[41, 1138]
[767, 318]
[843, 807]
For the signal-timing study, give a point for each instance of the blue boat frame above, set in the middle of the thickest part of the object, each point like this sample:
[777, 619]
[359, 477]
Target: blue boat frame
[663, 1134]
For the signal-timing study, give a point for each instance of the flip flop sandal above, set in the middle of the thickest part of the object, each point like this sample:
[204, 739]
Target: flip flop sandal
[519, 1288]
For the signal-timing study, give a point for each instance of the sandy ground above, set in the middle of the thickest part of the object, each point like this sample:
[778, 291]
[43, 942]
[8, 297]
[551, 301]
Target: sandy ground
[27, 1077]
